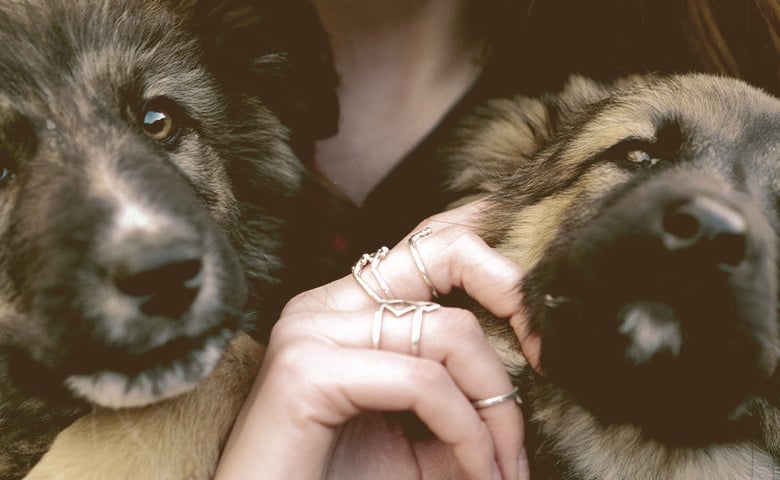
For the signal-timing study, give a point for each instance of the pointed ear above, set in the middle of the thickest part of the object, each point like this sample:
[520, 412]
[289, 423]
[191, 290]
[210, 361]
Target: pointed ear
[499, 138]
[275, 49]
[503, 136]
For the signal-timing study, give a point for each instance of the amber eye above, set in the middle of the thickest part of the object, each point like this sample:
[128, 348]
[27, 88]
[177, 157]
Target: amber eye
[158, 119]
[641, 158]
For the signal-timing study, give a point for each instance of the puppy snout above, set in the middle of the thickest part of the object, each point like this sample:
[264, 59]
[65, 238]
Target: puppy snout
[163, 280]
[708, 229]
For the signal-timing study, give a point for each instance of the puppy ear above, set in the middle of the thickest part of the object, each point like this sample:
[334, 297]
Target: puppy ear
[505, 135]
[275, 49]
[499, 138]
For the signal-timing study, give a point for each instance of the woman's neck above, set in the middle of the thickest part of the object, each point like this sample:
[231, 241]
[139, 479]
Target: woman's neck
[402, 65]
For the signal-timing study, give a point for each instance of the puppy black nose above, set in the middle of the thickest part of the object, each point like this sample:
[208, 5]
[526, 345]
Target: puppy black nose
[164, 280]
[708, 228]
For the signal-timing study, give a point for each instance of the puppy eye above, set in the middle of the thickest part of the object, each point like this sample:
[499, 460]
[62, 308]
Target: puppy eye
[158, 124]
[634, 154]
[159, 121]
[641, 158]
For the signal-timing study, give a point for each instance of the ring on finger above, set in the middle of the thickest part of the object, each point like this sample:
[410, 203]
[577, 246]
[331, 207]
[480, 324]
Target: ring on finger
[418, 259]
[490, 401]
[375, 261]
[372, 259]
[400, 308]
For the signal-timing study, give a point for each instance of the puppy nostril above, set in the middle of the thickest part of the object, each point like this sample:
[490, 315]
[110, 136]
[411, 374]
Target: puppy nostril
[681, 225]
[165, 281]
[707, 227]
[180, 274]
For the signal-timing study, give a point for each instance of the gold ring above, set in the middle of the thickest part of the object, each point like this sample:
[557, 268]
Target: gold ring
[372, 259]
[400, 308]
[418, 260]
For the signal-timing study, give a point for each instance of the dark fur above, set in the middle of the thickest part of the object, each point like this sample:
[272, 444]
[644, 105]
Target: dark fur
[659, 330]
[120, 253]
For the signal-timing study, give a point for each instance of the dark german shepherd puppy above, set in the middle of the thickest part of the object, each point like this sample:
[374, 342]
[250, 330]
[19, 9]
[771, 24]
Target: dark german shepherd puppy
[647, 218]
[148, 166]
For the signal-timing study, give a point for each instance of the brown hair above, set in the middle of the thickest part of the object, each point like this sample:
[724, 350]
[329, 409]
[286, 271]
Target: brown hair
[740, 39]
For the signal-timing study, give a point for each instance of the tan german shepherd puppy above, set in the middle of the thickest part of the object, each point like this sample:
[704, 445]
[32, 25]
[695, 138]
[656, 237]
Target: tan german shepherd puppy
[647, 218]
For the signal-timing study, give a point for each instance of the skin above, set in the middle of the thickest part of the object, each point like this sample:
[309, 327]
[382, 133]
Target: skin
[322, 412]
[402, 64]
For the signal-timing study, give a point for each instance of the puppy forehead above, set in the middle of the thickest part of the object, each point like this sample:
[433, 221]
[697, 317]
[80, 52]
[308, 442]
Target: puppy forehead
[703, 108]
[63, 41]
[728, 117]
[56, 69]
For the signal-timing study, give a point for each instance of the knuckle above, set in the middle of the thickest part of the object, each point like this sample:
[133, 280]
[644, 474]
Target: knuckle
[283, 331]
[296, 303]
[429, 373]
[293, 379]
[443, 225]
[466, 326]
[287, 362]
[469, 241]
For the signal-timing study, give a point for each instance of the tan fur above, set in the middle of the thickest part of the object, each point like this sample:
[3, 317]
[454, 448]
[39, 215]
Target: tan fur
[179, 439]
[620, 452]
[503, 153]
[526, 239]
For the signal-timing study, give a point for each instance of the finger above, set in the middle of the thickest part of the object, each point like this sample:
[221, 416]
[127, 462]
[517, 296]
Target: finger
[346, 380]
[456, 257]
[530, 341]
[453, 256]
[449, 336]
[454, 338]
[506, 426]
[300, 409]
[484, 274]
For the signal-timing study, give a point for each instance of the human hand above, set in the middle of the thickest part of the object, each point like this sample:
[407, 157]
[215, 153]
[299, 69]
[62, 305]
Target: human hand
[306, 415]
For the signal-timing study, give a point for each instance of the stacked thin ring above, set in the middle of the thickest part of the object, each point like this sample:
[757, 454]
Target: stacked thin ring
[395, 306]
[378, 257]
[373, 259]
[400, 307]
[418, 260]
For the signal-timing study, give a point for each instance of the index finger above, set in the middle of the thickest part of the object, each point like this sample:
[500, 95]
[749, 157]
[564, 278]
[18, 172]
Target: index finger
[454, 257]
